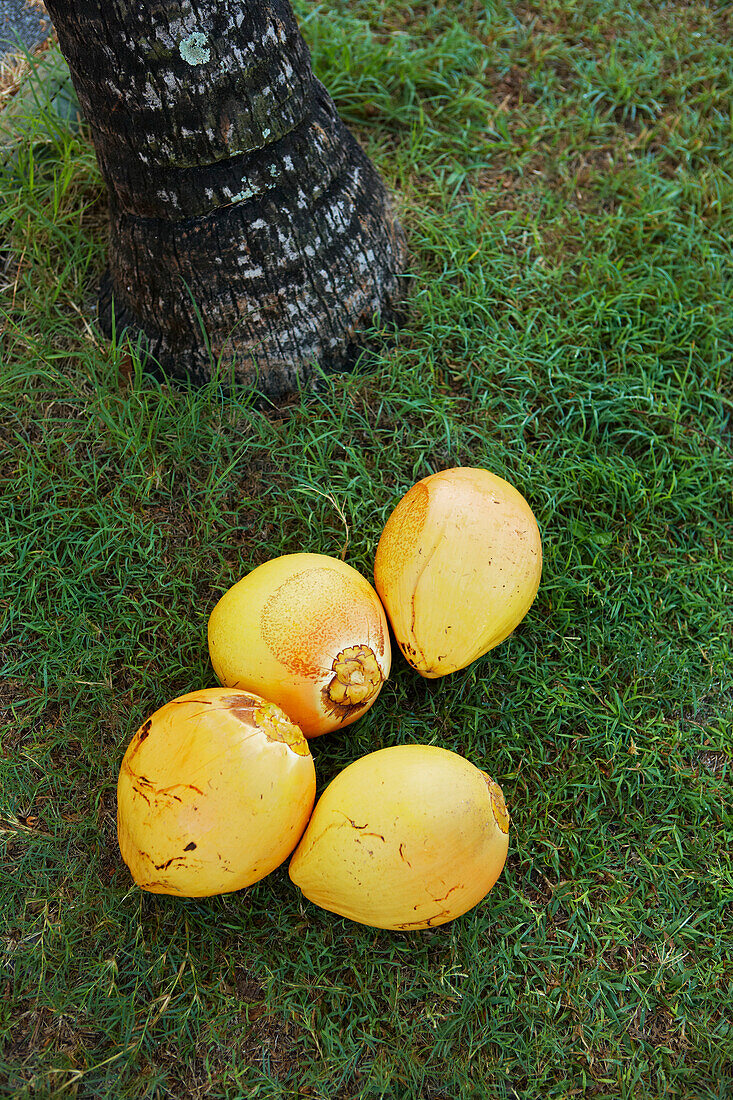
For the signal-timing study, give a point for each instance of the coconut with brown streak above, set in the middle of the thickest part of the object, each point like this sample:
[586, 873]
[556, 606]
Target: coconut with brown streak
[214, 792]
[457, 567]
[405, 838]
[307, 631]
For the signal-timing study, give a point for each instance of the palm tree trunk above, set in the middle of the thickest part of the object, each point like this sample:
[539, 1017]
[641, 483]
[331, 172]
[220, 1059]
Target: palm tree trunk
[249, 232]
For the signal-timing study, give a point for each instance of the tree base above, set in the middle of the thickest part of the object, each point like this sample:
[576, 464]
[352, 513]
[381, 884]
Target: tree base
[251, 238]
[117, 322]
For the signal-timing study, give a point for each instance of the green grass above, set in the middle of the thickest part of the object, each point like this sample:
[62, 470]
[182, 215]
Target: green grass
[565, 172]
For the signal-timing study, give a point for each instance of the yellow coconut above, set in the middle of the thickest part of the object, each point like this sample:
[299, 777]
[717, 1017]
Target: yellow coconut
[457, 567]
[214, 792]
[405, 838]
[308, 632]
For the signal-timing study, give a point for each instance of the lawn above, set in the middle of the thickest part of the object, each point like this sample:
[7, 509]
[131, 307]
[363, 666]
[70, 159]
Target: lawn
[564, 170]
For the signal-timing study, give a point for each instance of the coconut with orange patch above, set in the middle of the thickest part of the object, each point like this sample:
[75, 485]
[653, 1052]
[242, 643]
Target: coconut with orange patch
[308, 632]
[457, 567]
[214, 792]
[405, 838]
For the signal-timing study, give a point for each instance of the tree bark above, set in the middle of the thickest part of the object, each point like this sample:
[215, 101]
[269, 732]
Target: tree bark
[239, 202]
